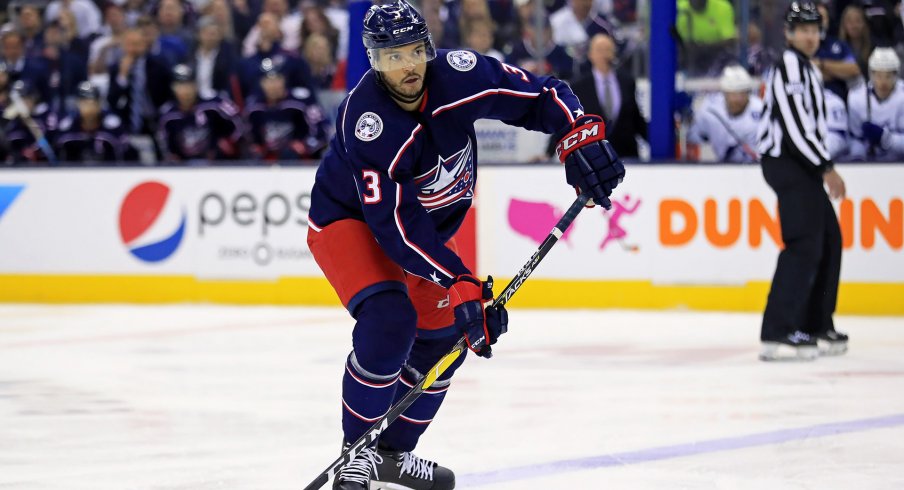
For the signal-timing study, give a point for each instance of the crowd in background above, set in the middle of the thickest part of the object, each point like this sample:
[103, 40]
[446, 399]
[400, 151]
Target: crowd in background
[194, 81]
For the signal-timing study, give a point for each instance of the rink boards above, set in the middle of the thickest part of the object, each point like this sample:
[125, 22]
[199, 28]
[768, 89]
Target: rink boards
[702, 237]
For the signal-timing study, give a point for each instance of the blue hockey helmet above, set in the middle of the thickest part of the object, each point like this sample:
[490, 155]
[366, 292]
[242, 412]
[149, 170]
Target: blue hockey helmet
[393, 25]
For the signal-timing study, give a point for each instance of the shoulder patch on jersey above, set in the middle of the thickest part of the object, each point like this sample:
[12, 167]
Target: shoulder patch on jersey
[368, 127]
[301, 93]
[461, 60]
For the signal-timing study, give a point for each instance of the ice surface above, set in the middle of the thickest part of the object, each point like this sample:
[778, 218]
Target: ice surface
[217, 397]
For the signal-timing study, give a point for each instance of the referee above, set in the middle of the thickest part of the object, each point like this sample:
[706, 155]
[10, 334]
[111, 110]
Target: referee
[797, 323]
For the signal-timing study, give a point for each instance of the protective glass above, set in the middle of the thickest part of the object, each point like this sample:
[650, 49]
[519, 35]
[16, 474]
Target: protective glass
[398, 57]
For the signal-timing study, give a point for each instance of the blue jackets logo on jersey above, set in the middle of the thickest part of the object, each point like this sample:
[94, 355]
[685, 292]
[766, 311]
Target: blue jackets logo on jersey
[449, 181]
[461, 60]
[369, 127]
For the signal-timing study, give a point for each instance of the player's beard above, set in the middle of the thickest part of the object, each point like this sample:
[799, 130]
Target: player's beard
[404, 92]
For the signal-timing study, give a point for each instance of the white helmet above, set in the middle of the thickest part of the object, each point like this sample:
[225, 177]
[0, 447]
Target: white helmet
[735, 79]
[884, 59]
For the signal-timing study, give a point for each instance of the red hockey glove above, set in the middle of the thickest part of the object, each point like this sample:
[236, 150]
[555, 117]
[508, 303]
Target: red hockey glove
[480, 326]
[591, 165]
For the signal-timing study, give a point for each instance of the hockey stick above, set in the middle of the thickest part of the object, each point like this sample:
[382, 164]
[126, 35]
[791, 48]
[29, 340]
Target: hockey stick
[33, 128]
[744, 146]
[458, 349]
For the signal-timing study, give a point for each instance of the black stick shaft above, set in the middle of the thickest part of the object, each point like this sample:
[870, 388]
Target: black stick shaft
[457, 350]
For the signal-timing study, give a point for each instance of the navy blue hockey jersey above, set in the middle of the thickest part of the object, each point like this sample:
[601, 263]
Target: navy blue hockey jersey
[210, 130]
[411, 175]
[295, 127]
[105, 143]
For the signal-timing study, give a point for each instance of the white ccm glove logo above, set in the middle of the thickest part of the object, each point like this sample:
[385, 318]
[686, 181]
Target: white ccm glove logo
[576, 138]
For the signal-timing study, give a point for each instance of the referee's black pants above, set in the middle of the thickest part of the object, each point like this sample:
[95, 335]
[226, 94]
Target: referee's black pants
[805, 286]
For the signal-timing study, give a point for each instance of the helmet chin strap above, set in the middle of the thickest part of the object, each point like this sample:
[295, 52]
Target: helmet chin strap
[402, 97]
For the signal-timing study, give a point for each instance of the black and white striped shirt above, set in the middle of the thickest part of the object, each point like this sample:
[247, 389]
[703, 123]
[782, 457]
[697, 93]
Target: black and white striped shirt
[794, 120]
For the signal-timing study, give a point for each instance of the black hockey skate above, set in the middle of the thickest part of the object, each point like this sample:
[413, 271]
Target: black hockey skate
[796, 346]
[832, 343]
[399, 470]
[356, 475]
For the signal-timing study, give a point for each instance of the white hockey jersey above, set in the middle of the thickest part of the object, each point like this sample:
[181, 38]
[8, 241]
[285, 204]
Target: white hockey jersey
[888, 114]
[838, 141]
[712, 124]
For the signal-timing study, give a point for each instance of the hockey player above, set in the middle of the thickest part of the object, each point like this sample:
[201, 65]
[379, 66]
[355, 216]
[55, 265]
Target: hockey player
[797, 165]
[23, 147]
[285, 124]
[838, 139]
[391, 191]
[91, 134]
[729, 120]
[198, 126]
[877, 119]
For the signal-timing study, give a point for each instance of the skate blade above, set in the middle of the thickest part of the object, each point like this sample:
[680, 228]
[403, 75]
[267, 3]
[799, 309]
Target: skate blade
[778, 352]
[377, 485]
[830, 349]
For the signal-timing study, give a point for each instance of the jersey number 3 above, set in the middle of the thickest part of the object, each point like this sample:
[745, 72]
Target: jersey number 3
[372, 193]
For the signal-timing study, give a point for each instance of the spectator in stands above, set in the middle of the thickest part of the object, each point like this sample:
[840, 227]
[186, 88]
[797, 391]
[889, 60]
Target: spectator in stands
[244, 14]
[198, 127]
[876, 110]
[556, 60]
[884, 22]
[90, 134]
[87, 15]
[760, 57]
[728, 121]
[337, 12]
[288, 23]
[326, 73]
[23, 148]
[478, 35]
[315, 21]
[854, 31]
[172, 26]
[222, 14]
[569, 24]
[613, 96]
[139, 83]
[461, 15]
[286, 124]
[835, 59]
[20, 66]
[269, 45]
[133, 10]
[215, 61]
[32, 29]
[708, 33]
[66, 62]
[171, 50]
[434, 13]
[104, 49]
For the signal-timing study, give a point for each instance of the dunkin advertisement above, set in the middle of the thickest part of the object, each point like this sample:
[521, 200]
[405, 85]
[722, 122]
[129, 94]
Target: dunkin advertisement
[675, 224]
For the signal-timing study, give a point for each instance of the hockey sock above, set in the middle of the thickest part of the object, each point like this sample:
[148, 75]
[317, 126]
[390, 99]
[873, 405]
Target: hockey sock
[382, 340]
[404, 433]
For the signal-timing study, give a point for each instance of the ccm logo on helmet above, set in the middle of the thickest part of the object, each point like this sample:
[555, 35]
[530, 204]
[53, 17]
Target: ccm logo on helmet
[404, 29]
